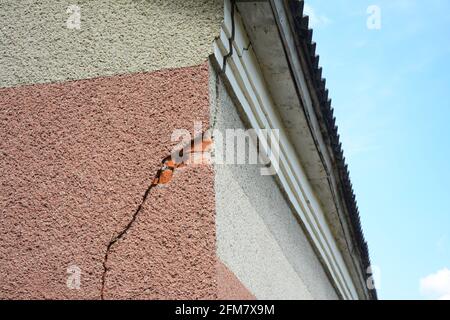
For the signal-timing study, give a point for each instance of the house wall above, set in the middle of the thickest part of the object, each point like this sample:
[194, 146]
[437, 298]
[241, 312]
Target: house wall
[86, 118]
[115, 37]
[77, 158]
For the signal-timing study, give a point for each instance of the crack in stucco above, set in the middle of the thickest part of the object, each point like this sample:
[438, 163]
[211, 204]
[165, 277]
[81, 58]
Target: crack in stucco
[216, 104]
[188, 155]
[119, 236]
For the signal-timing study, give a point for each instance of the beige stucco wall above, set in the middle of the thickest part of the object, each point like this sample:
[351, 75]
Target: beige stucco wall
[258, 236]
[116, 37]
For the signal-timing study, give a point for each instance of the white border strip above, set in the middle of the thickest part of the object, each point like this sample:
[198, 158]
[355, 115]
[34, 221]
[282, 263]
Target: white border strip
[247, 82]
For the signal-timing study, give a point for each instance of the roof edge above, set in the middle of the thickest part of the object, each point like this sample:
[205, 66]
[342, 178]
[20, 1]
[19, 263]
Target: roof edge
[325, 112]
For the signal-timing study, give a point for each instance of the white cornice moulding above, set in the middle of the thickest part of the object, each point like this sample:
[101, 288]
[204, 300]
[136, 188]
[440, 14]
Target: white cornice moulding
[247, 82]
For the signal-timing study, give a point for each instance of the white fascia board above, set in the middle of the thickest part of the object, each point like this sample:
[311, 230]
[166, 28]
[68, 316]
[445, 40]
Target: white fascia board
[248, 84]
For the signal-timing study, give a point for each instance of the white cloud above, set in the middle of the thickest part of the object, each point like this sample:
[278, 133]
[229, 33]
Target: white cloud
[315, 20]
[436, 285]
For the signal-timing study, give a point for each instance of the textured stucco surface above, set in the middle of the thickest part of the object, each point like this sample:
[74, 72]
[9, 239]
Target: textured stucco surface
[229, 287]
[76, 159]
[258, 236]
[116, 37]
[169, 252]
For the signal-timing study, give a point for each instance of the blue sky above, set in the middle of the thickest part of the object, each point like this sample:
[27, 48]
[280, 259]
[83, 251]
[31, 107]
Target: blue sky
[391, 93]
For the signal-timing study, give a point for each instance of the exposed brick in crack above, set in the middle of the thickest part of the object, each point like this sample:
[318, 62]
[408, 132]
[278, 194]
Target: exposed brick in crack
[195, 153]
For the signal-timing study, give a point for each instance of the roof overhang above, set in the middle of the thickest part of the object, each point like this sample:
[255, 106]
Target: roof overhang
[265, 53]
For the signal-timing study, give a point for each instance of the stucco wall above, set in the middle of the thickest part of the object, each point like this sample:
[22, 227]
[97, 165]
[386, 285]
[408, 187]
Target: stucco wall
[115, 37]
[169, 253]
[258, 236]
[76, 159]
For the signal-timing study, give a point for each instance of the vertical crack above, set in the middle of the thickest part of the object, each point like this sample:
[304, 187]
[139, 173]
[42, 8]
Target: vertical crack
[216, 104]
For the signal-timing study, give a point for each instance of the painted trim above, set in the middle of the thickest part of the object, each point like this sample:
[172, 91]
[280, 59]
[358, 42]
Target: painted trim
[246, 79]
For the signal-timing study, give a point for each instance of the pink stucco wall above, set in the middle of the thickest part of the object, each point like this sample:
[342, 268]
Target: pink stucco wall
[76, 160]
